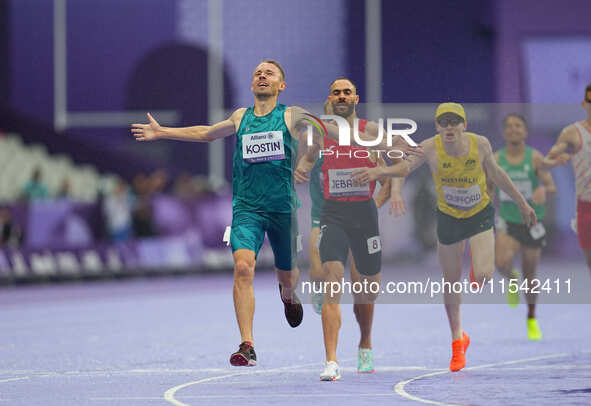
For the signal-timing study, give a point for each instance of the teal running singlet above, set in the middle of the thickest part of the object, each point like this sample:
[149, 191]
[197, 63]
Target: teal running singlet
[263, 164]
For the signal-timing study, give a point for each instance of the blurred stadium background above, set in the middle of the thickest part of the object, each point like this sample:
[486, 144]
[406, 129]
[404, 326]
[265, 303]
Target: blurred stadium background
[79, 198]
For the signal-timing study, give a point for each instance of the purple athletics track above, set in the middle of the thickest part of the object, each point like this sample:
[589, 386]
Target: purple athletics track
[167, 341]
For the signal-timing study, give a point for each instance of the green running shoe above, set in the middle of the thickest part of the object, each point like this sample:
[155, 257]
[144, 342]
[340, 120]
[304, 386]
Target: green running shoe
[513, 297]
[533, 330]
[365, 361]
[317, 299]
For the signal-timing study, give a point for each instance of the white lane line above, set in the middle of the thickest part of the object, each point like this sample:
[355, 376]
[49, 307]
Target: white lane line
[186, 371]
[115, 398]
[22, 378]
[299, 370]
[519, 361]
[399, 387]
[169, 395]
[153, 371]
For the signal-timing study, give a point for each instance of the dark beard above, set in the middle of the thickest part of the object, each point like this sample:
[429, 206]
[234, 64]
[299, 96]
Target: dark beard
[347, 113]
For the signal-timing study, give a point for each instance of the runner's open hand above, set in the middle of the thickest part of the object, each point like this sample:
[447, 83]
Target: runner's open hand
[302, 170]
[147, 132]
[397, 206]
[528, 215]
[366, 175]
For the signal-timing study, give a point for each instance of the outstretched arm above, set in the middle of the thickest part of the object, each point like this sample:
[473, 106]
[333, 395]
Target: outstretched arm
[200, 133]
[502, 180]
[298, 120]
[401, 169]
[546, 181]
[558, 155]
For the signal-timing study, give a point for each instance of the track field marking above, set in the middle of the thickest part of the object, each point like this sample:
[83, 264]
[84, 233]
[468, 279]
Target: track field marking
[169, 395]
[399, 387]
[22, 378]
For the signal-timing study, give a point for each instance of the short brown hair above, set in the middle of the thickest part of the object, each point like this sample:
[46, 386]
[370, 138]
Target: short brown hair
[587, 90]
[342, 78]
[274, 62]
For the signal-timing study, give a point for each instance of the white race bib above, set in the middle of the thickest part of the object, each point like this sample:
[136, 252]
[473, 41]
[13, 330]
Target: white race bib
[462, 198]
[374, 244]
[262, 147]
[227, 234]
[322, 228]
[524, 187]
[538, 231]
[501, 224]
[341, 184]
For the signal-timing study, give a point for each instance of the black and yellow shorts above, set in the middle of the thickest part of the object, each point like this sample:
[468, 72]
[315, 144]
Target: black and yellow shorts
[451, 229]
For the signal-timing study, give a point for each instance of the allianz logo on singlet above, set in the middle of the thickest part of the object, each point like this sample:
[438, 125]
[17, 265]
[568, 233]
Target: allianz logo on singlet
[343, 172]
[268, 136]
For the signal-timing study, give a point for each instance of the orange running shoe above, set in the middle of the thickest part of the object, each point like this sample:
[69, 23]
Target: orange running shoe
[466, 340]
[458, 357]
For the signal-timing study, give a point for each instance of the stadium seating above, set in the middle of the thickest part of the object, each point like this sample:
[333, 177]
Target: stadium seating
[18, 161]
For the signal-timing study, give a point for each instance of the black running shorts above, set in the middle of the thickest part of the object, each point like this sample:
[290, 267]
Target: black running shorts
[451, 229]
[532, 237]
[351, 225]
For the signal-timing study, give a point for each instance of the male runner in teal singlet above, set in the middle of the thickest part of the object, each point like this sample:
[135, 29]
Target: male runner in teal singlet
[264, 198]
